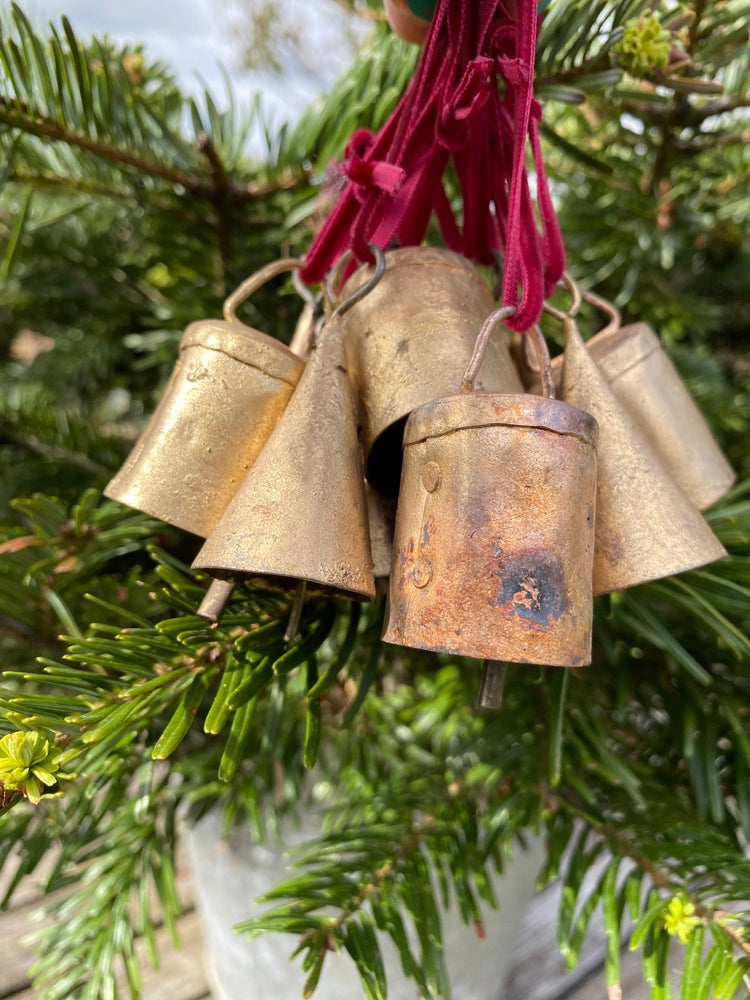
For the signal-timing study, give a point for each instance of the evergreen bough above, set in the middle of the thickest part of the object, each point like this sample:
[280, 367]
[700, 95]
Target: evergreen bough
[127, 211]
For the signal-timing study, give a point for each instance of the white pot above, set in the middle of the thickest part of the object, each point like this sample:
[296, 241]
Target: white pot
[231, 872]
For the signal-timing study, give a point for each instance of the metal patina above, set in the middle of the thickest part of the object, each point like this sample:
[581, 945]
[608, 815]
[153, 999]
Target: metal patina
[646, 526]
[226, 394]
[408, 341]
[495, 530]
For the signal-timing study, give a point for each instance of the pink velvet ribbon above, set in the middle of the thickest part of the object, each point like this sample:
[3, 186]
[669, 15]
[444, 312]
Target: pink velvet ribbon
[453, 109]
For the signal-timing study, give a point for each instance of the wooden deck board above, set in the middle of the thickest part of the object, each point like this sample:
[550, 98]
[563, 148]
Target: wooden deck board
[180, 975]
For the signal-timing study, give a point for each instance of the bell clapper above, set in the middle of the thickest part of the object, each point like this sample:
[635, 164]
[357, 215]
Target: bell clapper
[213, 604]
[296, 612]
[493, 683]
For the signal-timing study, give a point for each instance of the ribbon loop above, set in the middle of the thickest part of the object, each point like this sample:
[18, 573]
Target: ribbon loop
[469, 97]
[454, 110]
[367, 174]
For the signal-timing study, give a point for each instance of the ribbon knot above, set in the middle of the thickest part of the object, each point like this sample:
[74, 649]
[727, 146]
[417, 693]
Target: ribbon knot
[471, 94]
[368, 174]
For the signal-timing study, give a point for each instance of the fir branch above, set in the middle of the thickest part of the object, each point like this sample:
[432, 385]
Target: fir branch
[67, 184]
[219, 187]
[34, 123]
[65, 455]
[673, 886]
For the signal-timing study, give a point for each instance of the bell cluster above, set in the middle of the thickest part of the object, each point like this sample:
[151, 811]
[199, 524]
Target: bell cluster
[406, 442]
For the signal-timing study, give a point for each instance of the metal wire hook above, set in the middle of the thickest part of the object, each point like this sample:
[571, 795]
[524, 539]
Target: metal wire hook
[357, 296]
[255, 281]
[480, 346]
[311, 299]
[575, 294]
[599, 302]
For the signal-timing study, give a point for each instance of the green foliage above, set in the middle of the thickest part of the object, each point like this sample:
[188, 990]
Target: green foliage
[126, 212]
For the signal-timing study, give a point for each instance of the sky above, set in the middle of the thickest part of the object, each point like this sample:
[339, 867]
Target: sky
[194, 38]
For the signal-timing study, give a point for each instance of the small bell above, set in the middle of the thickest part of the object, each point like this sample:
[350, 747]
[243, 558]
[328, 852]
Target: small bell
[301, 513]
[495, 529]
[646, 528]
[407, 339]
[227, 391]
[648, 385]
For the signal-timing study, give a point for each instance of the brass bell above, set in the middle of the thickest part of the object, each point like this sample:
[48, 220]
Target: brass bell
[648, 385]
[646, 527]
[228, 389]
[494, 531]
[407, 339]
[301, 513]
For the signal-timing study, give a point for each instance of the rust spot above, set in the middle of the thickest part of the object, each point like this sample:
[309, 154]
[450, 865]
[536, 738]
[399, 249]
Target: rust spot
[532, 587]
[421, 573]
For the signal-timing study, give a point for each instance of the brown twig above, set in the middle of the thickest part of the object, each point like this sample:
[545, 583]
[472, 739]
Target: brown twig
[46, 128]
[26, 119]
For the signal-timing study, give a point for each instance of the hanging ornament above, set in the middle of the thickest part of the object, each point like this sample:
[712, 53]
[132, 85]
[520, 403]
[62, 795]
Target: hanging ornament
[301, 512]
[406, 340]
[227, 391]
[649, 387]
[494, 536]
[646, 528]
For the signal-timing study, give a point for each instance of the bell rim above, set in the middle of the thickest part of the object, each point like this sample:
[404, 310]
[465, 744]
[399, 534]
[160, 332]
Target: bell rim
[246, 345]
[276, 582]
[485, 409]
[627, 581]
[393, 637]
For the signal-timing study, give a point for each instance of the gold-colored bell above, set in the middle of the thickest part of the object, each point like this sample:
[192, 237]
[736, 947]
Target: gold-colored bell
[300, 513]
[646, 527]
[495, 529]
[648, 385]
[227, 391]
[407, 339]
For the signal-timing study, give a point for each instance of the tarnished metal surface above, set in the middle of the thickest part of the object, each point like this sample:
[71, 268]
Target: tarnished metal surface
[495, 530]
[649, 387]
[408, 343]
[646, 527]
[227, 391]
[301, 512]
[490, 409]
